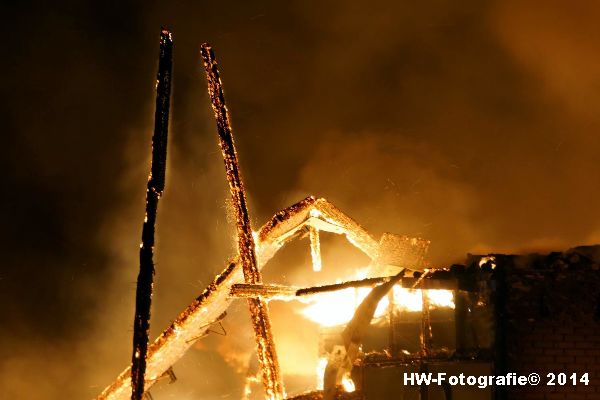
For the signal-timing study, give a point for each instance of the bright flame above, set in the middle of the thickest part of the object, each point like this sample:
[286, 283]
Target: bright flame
[321, 365]
[408, 299]
[337, 308]
[441, 298]
[250, 379]
[348, 384]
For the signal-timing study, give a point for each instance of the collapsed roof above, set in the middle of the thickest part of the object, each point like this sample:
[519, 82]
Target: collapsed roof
[293, 222]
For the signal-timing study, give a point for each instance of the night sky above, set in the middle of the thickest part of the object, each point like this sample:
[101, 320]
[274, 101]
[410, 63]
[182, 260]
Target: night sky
[472, 124]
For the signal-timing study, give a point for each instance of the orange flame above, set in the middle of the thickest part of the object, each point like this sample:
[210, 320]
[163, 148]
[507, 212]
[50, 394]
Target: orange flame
[337, 308]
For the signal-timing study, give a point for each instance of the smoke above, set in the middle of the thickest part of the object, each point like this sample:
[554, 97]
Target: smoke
[470, 124]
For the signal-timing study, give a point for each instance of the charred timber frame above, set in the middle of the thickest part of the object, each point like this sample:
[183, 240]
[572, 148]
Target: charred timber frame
[155, 188]
[310, 215]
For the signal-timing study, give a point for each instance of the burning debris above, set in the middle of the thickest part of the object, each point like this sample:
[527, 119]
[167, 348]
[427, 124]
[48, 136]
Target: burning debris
[365, 322]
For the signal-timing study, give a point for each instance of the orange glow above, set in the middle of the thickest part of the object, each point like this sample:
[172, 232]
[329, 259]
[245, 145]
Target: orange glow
[337, 308]
[321, 365]
[441, 298]
[407, 299]
[348, 384]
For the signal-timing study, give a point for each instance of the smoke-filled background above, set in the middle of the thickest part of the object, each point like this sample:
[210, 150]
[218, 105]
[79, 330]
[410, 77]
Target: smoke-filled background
[472, 124]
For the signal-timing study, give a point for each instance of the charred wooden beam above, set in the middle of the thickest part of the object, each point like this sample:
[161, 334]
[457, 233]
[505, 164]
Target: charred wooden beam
[259, 312]
[271, 292]
[279, 292]
[340, 286]
[155, 188]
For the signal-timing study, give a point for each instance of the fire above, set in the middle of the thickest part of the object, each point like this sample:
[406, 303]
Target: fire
[250, 380]
[408, 299]
[337, 308]
[348, 384]
[441, 298]
[412, 299]
[321, 365]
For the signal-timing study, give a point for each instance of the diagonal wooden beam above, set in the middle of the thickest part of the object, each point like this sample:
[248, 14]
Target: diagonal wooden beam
[259, 311]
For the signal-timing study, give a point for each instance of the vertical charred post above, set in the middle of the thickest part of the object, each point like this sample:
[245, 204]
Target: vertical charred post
[315, 248]
[155, 188]
[259, 312]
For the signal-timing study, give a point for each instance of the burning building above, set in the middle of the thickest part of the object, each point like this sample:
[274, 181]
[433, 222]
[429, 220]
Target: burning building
[396, 315]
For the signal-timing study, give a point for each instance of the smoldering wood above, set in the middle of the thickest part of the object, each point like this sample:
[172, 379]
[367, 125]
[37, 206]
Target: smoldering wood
[278, 292]
[315, 248]
[402, 251]
[321, 214]
[340, 286]
[155, 188]
[259, 312]
[271, 292]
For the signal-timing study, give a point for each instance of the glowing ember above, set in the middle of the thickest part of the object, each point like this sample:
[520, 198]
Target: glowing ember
[259, 312]
[348, 384]
[315, 248]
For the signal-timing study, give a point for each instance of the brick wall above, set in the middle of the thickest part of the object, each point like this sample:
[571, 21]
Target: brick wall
[552, 322]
